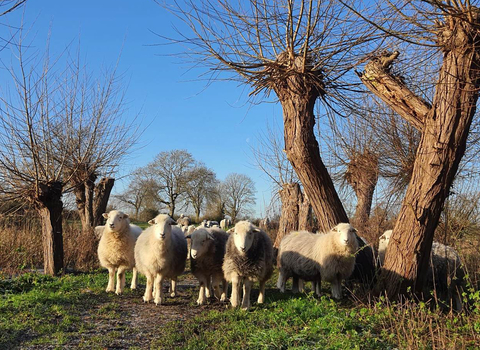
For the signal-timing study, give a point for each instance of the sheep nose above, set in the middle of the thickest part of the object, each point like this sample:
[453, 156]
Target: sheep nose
[111, 225]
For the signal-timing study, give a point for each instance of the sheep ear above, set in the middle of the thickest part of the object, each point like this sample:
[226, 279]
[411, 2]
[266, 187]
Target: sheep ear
[256, 230]
[125, 216]
[151, 222]
[232, 230]
[210, 236]
[105, 215]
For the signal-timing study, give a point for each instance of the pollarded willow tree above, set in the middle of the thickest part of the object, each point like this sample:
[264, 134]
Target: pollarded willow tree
[300, 50]
[451, 29]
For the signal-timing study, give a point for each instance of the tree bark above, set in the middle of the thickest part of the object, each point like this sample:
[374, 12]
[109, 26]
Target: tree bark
[290, 196]
[445, 129]
[305, 214]
[50, 208]
[362, 175]
[298, 96]
[102, 194]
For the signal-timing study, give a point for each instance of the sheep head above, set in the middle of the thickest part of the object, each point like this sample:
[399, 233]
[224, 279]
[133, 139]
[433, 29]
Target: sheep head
[346, 234]
[201, 240]
[243, 236]
[116, 220]
[162, 226]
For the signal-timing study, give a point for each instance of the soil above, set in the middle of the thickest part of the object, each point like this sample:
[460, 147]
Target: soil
[131, 323]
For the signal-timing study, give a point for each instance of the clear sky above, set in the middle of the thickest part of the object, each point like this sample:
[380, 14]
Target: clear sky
[215, 123]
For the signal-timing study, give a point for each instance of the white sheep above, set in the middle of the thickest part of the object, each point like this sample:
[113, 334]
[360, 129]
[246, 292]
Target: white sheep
[206, 260]
[318, 257]
[382, 245]
[248, 258]
[446, 278]
[116, 249]
[190, 229]
[160, 253]
[225, 223]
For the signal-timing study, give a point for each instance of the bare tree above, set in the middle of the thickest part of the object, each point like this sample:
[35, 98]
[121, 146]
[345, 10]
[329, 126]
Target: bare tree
[239, 194]
[201, 185]
[296, 211]
[301, 50]
[101, 138]
[451, 27]
[140, 193]
[31, 164]
[171, 172]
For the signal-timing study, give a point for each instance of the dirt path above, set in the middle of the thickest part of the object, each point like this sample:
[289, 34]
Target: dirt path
[125, 321]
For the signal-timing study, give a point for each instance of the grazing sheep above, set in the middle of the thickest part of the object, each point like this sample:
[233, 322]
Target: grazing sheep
[445, 273]
[212, 223]
[365, 270]
[116, 249]
[315, 257]
[225, 223]
[206, 256]
[160, 253]
[248, 258]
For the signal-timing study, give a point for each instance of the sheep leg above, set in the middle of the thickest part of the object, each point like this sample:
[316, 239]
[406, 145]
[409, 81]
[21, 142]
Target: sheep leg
[317, 286]
[282, 280]
[223, 297]
[133, 285]
[148, 289]
[216, 280]
[208, 287]
[295, 284]
[247, 287]
[201, 295]
[120, 280]
[337, 289]
[111, 280]
[173, 287]
[159, 298]
[261, 294]
[235, 298]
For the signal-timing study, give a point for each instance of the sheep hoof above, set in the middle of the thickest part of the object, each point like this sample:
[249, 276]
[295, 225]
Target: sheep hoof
[173, 294]
[108, 290]
[146, 300]
[223, 298]
[158, 301]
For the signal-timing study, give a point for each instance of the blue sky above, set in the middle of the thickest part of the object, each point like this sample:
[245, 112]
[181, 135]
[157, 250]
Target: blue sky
[215, 123]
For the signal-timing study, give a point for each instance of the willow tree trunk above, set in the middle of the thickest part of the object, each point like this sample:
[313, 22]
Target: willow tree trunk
[362, 175]
[290, 196]
[50, 208]
[102, 195]
[297, 96]
[306, 220]
[445, 126]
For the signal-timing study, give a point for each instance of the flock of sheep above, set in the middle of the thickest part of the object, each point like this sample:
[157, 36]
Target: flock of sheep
[244, 255]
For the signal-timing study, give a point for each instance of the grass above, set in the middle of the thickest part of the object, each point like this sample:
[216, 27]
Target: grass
[74, 311]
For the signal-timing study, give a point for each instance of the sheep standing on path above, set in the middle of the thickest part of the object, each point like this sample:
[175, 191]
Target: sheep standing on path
[207, 253]
[248, 258]
[161, 252]
[116, 249]
[315, 257]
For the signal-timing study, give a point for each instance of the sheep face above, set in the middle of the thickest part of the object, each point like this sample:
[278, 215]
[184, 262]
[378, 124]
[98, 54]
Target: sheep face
[116, 220]
[384, 239]
[346, 234]
[162, 226]
[244, 234]
[201, 240]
